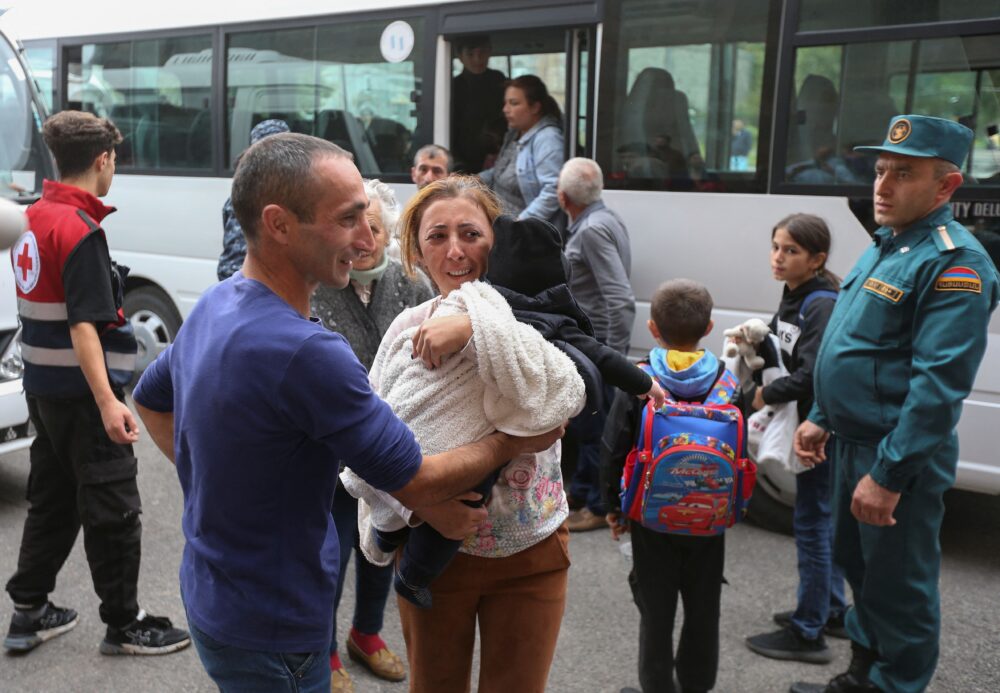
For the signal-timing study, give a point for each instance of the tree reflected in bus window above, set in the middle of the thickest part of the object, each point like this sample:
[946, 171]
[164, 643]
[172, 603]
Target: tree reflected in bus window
[681, 95]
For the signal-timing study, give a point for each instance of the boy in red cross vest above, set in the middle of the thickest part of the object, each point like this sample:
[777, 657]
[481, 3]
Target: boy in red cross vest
[79, 353]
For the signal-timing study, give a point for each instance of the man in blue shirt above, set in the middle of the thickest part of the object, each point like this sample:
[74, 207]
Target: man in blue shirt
[898, 357]
[258, 405]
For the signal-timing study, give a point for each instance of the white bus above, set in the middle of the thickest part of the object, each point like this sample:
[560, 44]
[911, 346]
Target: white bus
[643, 84]
[24, 163]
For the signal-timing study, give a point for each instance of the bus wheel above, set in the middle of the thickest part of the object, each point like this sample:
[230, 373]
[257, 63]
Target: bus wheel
[155, 321]
[773, 499]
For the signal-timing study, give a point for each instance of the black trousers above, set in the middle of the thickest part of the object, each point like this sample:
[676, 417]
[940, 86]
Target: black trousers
[79, 477]
[665, 566]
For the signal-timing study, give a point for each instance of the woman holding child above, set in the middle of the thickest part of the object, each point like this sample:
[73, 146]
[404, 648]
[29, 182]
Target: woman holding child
[510, 575]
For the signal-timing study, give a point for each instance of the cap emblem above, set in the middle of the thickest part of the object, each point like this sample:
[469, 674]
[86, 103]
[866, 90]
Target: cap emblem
[899, 131]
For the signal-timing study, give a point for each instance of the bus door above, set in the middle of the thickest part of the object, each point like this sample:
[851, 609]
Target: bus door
[484, 49]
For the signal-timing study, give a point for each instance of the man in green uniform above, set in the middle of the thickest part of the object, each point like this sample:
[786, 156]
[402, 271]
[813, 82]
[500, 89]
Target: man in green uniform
[898, 358]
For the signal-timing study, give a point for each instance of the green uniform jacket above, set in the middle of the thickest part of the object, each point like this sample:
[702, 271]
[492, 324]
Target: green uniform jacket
[903, 345]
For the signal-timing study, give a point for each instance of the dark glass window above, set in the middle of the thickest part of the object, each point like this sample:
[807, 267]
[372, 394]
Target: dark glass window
[824, 15]
[845, 96]
[158, 93]
[331, 81]
[681, 95]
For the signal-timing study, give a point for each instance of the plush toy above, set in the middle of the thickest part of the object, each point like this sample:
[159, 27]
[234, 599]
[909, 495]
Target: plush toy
[742, 340]
[12, 223]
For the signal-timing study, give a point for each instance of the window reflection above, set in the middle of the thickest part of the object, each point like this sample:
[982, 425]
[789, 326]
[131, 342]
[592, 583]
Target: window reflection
[158, 94]
[681, 110]
[846, 96]
[331, 82]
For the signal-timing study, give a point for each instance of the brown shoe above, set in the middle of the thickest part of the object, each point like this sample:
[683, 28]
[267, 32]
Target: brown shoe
[340, 681]
[584, 521]
[384, 663]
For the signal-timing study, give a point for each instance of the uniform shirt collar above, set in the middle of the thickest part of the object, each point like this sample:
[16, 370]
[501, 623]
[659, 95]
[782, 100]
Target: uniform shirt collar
[916, 231]
[53, 191]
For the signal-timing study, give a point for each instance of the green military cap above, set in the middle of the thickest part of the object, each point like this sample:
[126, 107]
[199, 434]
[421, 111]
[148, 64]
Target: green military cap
[924, 136]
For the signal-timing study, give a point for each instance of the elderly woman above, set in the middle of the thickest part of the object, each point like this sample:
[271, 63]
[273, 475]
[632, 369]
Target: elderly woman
[362, 312]
[527, 167]
[477, 369]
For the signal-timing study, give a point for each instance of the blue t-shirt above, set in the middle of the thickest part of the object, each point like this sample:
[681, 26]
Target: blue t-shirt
[266, 406]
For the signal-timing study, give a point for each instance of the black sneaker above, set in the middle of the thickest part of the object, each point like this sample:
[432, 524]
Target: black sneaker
[834, 627]
[26, 632]
[787, 644]
[854, 680]
[842, 683]
[146, 635]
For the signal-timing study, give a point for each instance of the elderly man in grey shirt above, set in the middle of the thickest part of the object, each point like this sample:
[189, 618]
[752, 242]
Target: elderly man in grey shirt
[599, 252]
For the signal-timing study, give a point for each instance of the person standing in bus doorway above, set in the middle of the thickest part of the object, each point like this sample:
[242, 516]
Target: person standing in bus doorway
[478, 123]
[527, 167]
[431, 162]
[899, 356]
[79, 353]
[600, 257]
[234, 243]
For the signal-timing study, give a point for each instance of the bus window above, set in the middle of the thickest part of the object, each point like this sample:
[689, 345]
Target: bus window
[846, 95]
[42, 58]
[23, 157]
[481, 65]
[826, 15]
[157, 92]
[682, 95]
[331, 81]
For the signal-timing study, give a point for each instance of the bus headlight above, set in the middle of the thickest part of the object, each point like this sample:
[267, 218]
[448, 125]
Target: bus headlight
[11, 364]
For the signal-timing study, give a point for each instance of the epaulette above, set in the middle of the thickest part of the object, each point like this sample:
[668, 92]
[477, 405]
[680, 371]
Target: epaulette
[949, 240]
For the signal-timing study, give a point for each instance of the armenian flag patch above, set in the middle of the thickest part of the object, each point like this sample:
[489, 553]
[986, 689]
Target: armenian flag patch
[959, 279]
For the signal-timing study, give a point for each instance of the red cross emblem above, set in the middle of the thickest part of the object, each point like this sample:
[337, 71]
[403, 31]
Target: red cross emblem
[24, 262]
[27, 266]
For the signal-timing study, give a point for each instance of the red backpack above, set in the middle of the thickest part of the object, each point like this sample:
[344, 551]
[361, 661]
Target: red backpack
[688, 472]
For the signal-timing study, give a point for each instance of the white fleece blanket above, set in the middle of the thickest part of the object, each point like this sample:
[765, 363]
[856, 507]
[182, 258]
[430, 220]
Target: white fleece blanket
[511, 380]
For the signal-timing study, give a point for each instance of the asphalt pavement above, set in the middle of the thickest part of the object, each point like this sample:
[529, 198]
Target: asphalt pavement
[597, 644]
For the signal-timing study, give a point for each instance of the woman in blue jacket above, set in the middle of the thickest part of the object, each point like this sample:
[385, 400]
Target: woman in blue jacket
[527, 167]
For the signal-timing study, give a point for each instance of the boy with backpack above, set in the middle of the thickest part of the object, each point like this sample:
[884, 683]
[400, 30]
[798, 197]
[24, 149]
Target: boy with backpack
[677, 477]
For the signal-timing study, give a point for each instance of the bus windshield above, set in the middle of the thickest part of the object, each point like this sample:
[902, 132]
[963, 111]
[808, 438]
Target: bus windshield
[24, 161]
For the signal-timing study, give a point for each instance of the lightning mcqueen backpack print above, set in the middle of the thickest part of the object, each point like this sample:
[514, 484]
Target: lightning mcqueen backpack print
[688, 472]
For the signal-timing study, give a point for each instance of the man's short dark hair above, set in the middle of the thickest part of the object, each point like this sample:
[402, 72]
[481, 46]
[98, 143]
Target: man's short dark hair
[433, 151]
[77, 138]
[277, 170]
[470, 41]
[681, 310]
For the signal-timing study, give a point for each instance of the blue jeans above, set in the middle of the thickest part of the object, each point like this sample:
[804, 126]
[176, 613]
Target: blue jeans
[821, 582]
[236, 670]
[588, 430]
[372, 582]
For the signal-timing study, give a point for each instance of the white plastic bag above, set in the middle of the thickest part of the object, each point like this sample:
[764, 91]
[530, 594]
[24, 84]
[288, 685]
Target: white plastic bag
[771, 430]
